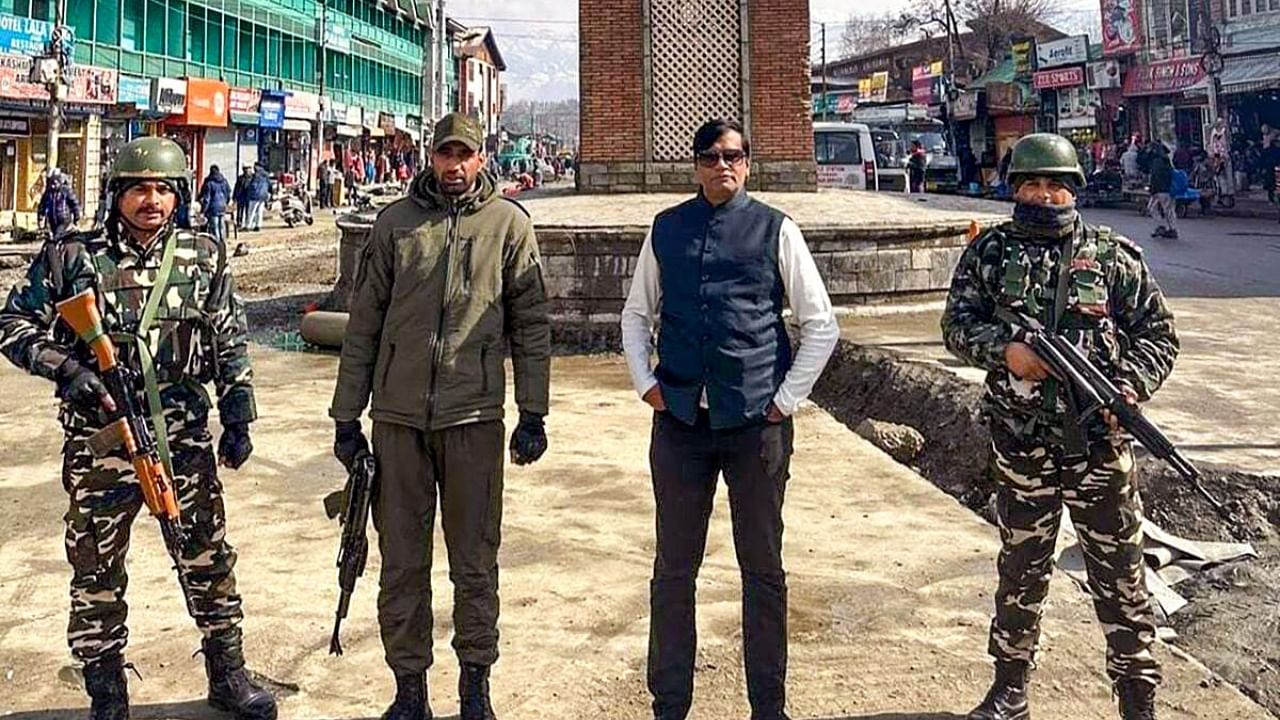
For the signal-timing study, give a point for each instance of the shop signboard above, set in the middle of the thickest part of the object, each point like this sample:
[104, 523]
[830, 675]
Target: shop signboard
[15, 127]
[168, 95]
[206, 103]
[1023, 60]
[86, 85]
[1067, 51]
[1121, 26]
[387, 122]
[923, 85]
[134, 91]
[1104, 75]
[272, 111]
[965, 106]
[1061, 78]
[244, 100]
[1010, 99]
[1168, 77]
[300, 105]
[354, 116]
[337, 37]
[23, 35]
[335, 113]
[845, 104]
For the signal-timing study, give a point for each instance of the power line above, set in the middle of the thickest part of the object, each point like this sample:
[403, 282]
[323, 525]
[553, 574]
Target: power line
[519, 21]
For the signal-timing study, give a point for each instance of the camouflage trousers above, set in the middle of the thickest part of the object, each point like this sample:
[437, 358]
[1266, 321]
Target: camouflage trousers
[105, 497]
[1034, 482]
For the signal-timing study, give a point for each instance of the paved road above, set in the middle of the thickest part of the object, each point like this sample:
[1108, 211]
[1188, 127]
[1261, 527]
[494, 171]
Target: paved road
[1214, 257]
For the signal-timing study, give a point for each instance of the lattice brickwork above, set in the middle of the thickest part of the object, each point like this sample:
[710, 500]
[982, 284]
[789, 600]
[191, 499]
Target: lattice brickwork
[696, 68]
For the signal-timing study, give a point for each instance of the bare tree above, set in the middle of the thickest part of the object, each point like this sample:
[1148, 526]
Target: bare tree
[866, 33]
[994, 24]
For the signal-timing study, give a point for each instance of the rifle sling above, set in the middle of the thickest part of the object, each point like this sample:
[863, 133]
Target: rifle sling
[139, 340]
[1072, 432]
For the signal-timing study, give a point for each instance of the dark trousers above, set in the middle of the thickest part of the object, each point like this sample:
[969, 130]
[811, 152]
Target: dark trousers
[462, 466]
[685, 462]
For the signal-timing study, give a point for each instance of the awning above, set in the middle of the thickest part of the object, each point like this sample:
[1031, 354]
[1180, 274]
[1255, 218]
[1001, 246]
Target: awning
[1250, 73]
[1005, 72]
[349, 131]
[297, 125]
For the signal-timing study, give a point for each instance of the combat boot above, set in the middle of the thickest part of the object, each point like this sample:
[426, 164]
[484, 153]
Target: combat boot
[1137, 699]
[411, 699]
[473, 693]
[1007, 698]
[230, 688]
[104, 681]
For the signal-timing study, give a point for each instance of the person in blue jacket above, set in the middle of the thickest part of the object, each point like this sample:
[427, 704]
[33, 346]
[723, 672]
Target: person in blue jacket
[214, 197]
[259, 193]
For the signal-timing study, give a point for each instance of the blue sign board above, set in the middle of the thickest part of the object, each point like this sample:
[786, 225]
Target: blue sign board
[134, 90]
[272, 111]
[23, 36]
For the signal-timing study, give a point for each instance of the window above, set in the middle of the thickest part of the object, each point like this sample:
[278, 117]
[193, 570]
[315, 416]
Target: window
[132, 22]
[245, 39]
[197, 36]
[176, 34]
[213, 38]
[230, 42]
[838, 148]
[108, 12]
[155, 27]
[80, 18]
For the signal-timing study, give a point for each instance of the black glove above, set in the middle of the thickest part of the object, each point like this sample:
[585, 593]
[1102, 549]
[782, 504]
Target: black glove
[83, 388]
[529, 441]
[234, 447]
[348, 442]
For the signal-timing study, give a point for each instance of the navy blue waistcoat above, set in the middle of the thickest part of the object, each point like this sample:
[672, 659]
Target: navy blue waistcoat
[721, 320]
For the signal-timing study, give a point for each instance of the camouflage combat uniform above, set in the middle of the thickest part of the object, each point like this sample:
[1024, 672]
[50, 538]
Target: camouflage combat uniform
[1116, 312]
[200, 335]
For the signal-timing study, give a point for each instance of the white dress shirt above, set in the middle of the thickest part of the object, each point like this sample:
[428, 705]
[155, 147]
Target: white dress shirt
[806, 296]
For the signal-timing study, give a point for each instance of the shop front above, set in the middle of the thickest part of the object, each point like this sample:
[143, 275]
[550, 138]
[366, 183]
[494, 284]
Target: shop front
[244, 120]
[1013, 108]
[270, 136]
[301, 113]
[1250, 89]
[1158, 93]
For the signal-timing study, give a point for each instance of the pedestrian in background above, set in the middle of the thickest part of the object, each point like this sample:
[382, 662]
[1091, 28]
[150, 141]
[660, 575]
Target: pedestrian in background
[917, 165]
[324, 194]
[1161, 205]
[259, 193]
[215, 194]
[59, 210]
[241, 196]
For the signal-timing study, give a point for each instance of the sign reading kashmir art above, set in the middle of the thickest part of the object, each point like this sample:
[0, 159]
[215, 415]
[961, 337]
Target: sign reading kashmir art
[23, 36]
[1163, 78]
[85, 84]
[1121, 26]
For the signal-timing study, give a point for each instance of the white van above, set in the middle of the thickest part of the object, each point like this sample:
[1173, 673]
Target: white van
[846, 156]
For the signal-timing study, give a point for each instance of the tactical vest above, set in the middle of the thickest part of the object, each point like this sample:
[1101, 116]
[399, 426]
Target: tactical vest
[1028, 282]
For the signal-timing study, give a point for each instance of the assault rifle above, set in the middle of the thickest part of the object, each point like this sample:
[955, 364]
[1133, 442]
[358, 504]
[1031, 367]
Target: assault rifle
[130, 427]
[1094, 392]
[351, 508]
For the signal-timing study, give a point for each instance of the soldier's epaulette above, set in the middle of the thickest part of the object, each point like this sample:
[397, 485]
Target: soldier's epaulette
[515, 202]
[1105, 233]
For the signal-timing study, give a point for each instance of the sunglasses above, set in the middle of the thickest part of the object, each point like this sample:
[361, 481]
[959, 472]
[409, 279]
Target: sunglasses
[712, 158]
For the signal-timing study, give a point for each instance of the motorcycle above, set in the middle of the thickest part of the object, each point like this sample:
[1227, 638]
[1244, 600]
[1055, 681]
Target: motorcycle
[1104, 188]
[295, 207]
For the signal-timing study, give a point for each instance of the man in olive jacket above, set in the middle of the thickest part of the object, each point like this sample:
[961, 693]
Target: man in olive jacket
[448, 273]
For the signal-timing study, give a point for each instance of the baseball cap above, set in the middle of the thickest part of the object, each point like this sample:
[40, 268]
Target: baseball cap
[456, 127]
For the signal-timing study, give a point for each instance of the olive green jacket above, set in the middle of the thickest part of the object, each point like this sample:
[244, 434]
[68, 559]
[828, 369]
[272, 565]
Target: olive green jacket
[441, 284]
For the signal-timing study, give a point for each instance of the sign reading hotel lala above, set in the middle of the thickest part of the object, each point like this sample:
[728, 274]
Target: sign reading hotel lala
[1163, 78]
[1066, 77]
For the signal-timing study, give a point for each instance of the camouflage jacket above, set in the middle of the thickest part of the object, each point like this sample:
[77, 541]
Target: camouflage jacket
[1115, 311]
[200, 334]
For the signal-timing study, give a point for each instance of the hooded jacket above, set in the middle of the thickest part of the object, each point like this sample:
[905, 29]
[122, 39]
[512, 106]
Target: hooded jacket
[442, 282]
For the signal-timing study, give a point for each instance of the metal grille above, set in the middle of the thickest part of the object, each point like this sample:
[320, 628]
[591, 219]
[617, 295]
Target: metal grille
[695, 71]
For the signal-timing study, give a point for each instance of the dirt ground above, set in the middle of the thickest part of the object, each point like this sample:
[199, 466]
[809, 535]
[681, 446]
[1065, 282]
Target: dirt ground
[890, 579]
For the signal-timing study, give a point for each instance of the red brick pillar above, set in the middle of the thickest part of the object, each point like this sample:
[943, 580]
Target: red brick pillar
[611, 71]
[781, 119]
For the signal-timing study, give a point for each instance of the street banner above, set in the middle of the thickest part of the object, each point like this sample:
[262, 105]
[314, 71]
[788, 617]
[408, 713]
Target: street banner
[1121, 26]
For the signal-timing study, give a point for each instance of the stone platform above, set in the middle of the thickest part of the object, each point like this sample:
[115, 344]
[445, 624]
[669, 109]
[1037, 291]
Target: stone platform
[870, 247]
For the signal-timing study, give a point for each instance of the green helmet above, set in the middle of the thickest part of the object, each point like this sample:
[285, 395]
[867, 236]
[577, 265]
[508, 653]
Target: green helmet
[1045, 154]
[151, 158]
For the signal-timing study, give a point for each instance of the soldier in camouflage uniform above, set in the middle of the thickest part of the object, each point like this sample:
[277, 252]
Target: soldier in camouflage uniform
[198, 336]
[1045, 458]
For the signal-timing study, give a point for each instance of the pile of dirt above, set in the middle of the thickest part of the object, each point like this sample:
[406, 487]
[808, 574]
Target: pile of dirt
[1233, 621]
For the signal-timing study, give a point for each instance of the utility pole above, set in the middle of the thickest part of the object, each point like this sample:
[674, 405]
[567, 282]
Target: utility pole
[60, 52]
[824, 71]
[318, 140]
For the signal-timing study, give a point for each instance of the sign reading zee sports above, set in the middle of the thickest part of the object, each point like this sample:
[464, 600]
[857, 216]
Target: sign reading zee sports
[1066, 77]
[1067, 51]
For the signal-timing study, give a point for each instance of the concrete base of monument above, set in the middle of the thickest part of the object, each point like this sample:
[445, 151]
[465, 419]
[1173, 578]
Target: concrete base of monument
[870, 247]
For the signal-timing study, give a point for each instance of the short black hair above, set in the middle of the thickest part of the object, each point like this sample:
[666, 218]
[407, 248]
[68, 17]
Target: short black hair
[713, 130]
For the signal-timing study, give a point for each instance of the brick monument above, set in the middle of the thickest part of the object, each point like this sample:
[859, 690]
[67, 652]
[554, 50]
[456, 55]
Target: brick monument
[652, 71]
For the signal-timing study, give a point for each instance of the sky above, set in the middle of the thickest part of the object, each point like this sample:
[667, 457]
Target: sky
[538, 38]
